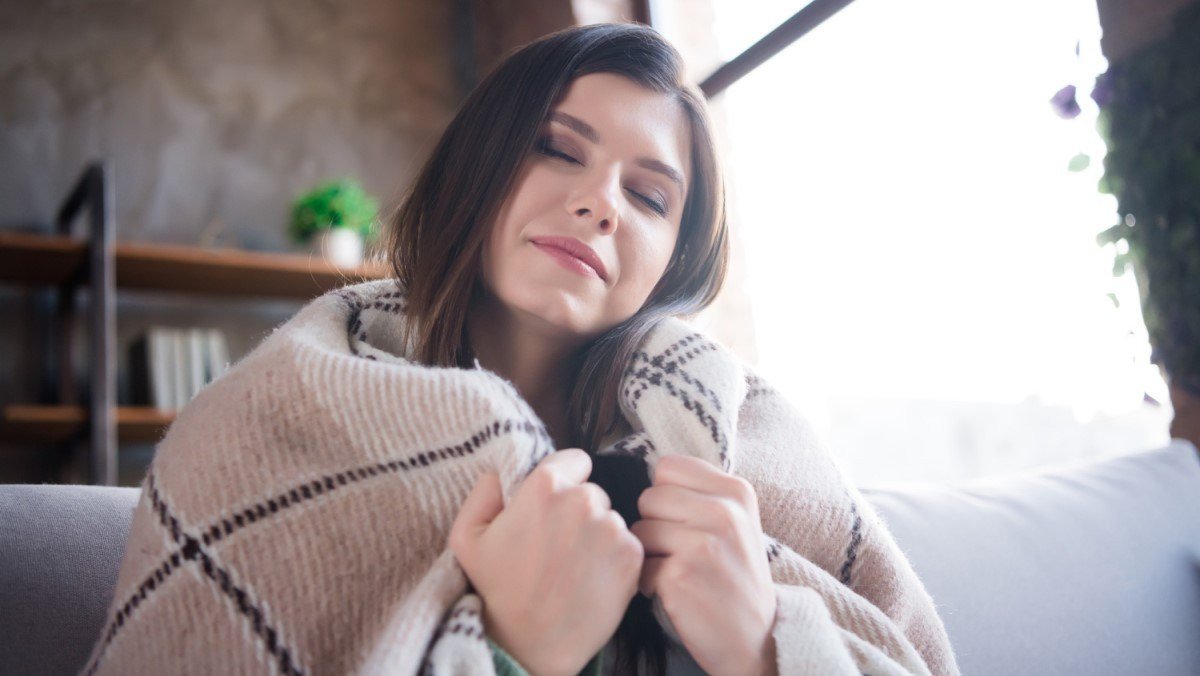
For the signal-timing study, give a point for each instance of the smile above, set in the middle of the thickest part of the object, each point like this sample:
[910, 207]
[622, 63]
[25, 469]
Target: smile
[572, 255]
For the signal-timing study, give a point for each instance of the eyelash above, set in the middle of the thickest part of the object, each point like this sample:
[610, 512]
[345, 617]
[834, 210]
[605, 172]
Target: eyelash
[544, 147]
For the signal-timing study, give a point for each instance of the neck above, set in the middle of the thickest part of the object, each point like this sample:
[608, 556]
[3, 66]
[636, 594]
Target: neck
[537, 358]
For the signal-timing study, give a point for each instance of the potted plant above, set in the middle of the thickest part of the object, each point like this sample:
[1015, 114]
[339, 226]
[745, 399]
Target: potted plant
[338, 217]
[1150, 121]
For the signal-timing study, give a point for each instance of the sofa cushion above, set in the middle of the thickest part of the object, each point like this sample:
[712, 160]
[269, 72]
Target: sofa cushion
[1092, 569]
[60, 550]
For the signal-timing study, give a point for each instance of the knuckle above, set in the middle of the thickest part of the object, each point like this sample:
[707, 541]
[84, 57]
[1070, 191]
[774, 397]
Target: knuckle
[743, 491]
[628, 547]
[613, 525]
[543, 480]
[575, 456]
[634, 548]
[726, 516]
[598, 495]
[645, 501]
[575, 453]
[578, 502]
[673, 581]
[706, 548]
[669, 463]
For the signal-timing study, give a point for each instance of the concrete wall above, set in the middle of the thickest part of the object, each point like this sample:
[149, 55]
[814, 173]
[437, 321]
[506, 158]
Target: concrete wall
[215, 115]
[216, 110]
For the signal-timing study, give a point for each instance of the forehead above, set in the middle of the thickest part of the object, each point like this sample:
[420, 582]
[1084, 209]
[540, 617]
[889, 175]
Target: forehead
[630, 119]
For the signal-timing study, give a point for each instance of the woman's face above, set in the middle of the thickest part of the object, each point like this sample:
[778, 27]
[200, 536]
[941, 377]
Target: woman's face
[609, 170]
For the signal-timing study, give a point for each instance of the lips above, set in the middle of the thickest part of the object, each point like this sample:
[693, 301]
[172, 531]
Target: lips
[574, 249]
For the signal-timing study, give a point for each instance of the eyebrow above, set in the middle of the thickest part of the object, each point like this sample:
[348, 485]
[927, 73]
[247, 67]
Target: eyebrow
[588, 132]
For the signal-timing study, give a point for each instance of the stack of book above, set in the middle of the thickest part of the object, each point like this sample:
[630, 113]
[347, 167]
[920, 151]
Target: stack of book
[168, 366]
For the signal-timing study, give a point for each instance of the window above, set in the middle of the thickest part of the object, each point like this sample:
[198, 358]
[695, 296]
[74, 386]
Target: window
[921, 265]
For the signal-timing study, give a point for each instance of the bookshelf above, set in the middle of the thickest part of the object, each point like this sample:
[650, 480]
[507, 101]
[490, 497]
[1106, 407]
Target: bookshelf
[105, 267]
[55, 260]
[62, 424]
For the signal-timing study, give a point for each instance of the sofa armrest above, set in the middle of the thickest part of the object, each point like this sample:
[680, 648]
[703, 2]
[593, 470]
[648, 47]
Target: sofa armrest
[60, 550]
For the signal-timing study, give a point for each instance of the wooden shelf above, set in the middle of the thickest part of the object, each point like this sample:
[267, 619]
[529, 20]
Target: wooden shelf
[40, 259]
[103, 267]
[59, 424]
[45, 259]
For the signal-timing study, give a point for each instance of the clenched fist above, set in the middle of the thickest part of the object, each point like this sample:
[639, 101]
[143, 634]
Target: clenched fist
[556, 567]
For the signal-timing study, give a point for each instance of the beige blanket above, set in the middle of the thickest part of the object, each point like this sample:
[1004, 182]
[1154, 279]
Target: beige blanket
[294, 519]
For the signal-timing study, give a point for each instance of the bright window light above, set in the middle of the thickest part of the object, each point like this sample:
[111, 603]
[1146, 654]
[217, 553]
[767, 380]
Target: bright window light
[922, 266]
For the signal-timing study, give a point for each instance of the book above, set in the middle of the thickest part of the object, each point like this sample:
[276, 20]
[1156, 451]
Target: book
[150, 369]
[180, 370]
[197, 345]
[218, 352]
[162, 387]
[168, 366]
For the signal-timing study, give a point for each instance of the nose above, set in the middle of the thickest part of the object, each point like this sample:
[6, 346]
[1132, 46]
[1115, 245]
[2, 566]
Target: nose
[596, 200]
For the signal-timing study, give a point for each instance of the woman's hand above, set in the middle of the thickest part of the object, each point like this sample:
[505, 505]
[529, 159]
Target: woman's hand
[706, 560]
[556, 568]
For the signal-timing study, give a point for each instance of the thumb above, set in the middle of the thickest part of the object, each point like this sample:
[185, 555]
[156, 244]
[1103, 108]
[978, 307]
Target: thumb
[483, 504]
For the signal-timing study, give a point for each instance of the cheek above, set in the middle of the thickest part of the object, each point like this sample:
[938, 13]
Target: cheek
[650, 257]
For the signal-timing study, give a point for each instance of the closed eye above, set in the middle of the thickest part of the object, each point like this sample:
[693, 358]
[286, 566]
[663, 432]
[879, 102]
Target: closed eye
[545, 147]
[658, 207]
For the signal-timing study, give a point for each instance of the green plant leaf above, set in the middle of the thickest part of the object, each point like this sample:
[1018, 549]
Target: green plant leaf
[335, 204]
[1079, 163]
[1111, 235]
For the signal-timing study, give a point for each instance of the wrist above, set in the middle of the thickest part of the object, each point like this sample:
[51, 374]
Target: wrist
[538, 658]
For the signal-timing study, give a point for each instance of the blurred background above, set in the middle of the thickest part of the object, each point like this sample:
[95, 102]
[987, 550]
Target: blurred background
[916, 194]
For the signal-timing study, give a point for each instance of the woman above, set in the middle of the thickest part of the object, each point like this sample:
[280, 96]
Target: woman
[452, 470]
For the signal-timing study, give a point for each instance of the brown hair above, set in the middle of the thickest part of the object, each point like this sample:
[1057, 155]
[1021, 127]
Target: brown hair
[438, 232]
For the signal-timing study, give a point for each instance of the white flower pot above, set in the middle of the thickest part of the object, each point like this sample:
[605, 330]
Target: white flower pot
[342, 247]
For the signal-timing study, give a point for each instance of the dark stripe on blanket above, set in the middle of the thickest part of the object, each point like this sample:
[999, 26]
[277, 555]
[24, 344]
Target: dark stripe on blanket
[671, 369]
[855, 540]
[773, 549]
[330, 483]
[307, 491]
[697, 408]
[191, 550]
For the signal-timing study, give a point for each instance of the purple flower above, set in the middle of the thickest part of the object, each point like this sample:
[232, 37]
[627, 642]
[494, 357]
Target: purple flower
[1064, 103]
[1102, 92]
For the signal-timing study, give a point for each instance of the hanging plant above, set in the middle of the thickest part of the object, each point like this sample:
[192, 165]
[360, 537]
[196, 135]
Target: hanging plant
[1150, 122]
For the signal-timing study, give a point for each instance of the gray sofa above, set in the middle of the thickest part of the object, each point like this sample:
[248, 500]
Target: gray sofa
[1089, 569]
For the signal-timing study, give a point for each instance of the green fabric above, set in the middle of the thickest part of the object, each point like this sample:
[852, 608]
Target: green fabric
[507, 666]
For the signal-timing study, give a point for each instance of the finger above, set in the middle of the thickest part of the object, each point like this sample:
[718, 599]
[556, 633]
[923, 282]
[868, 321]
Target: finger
[597, 496]
[651, 571]
[670, 502]
[569, 466]
[665, 538]
[700, 475]
[483, 504]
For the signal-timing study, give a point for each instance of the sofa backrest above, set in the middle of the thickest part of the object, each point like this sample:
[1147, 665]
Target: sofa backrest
[1087, 569]
[1093, 569]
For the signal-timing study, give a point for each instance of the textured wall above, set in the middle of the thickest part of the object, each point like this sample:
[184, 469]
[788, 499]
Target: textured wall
[214, 113]
[216, 109]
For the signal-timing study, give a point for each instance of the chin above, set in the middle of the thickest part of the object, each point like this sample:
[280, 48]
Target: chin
[563, 315]
[558, 311]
